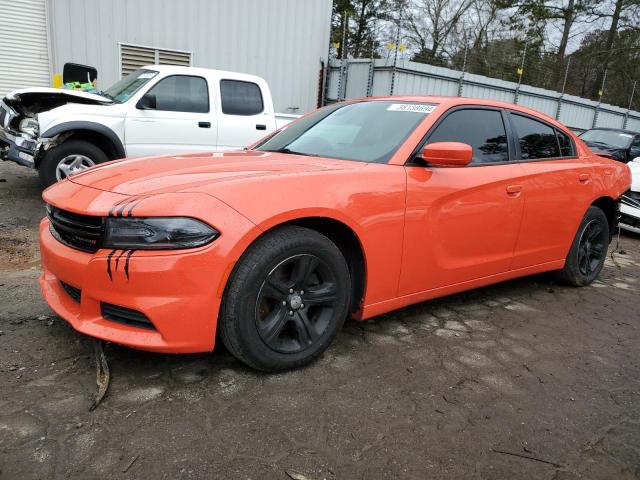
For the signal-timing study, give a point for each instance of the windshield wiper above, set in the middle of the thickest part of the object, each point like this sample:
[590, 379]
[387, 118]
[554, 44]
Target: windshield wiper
[290, 152]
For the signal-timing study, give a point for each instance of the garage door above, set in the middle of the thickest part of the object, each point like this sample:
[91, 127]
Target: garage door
[24, 58]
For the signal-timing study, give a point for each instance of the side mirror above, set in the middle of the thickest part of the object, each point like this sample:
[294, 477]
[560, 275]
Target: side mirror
[147, 102]
[447, 154]
[74, 72]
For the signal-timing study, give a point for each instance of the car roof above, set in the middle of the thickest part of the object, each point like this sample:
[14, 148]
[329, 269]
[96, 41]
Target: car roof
[449, 102]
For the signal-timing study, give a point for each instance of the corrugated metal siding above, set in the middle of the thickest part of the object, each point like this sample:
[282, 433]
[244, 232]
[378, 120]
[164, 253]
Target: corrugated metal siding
[133, 57]
[280, 40]
[24, 57]
[420, 79]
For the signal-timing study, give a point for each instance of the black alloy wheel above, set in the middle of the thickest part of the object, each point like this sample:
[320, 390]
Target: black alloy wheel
[296, 303]
[591, 248]
[588, 251]
[286, 299]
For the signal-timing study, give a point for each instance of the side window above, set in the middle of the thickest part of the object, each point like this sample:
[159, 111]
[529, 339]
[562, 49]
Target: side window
[537, 140]
[181, 93]
[482, 129]
[566, 145]
[240, 98]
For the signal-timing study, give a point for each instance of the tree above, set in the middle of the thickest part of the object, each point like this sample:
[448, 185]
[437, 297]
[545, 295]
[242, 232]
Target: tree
[431, 24]
[361, 19]
[622, 12]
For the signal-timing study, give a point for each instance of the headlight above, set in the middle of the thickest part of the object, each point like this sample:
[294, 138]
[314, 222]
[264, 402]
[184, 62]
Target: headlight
[29, 126]
[157, 233]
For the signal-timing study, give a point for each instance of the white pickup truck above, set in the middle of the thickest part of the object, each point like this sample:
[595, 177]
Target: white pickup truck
[157, 109]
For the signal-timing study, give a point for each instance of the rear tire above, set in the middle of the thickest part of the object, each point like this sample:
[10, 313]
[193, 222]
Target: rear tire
[286, 300]
[83, 152]
[588, 250]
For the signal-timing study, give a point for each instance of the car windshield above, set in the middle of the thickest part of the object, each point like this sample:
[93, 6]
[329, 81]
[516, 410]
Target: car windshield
[611, 138]
[123, 89]
[362, 131]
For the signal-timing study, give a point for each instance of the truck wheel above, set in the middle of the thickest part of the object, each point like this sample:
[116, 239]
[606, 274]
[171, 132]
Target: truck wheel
[588, 250]
[68, 159]
[286, 300]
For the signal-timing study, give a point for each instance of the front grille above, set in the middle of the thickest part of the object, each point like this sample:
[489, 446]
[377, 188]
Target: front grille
[83, 232]
[125, 315]
[73, 292]
[6, 115]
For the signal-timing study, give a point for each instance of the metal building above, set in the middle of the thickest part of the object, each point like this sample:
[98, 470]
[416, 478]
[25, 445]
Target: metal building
[284, 41]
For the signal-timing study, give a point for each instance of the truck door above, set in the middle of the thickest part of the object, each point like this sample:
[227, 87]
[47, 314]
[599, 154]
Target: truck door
[176, 115]
[244, 115]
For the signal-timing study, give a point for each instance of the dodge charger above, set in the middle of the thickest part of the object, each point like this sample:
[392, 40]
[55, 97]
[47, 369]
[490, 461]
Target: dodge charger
[353, 210]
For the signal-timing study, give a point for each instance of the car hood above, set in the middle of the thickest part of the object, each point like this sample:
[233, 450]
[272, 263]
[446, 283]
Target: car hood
[607, 151]
[200, 172]
[31, 101]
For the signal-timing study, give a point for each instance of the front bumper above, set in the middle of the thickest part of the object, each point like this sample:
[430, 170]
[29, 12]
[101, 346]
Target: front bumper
[18, 148]
[180, 293]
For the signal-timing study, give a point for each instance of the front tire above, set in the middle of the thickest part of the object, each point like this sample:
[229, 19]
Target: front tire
[67, 159]
[588, 250]
[286, 300]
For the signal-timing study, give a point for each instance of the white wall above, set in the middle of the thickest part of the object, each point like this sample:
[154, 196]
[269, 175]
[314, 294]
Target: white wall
[280, 40]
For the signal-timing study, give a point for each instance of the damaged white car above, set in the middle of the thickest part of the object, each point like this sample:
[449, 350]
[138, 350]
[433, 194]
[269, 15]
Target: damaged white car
[630, 202]
[155, 110]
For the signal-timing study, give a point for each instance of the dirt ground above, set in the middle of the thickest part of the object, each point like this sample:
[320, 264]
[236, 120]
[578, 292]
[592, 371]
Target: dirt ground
[525, 379]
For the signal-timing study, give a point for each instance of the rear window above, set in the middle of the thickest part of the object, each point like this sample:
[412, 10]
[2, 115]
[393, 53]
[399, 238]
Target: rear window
[537, 140]
[240, 98]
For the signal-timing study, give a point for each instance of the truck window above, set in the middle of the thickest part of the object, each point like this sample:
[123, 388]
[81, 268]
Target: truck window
[181, 93]
[240, 98]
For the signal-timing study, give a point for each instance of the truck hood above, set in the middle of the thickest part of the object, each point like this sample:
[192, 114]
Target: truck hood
[31, 101]
[200, 172]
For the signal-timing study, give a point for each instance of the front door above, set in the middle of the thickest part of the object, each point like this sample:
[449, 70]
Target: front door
[182, 120]
[462, 223]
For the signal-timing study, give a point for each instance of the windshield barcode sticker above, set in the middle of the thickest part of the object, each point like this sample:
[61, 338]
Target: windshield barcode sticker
[411, 107]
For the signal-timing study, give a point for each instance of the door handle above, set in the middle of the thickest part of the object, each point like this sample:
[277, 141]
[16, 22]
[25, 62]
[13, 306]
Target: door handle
[584, 177]
[204, 124]
[261, 127]
[514, 190]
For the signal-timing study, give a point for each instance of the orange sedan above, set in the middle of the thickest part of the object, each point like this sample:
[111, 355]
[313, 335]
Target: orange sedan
[354, 210]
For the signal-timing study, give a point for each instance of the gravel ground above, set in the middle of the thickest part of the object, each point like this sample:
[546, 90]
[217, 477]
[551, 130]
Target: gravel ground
[525, 379]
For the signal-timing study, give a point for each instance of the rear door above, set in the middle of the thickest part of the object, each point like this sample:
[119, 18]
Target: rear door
[244, 112]
[559, 189]
[462, 223]
[183, 119]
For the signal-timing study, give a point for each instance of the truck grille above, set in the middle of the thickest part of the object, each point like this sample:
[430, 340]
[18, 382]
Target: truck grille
[82, 232]
[5, 116]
